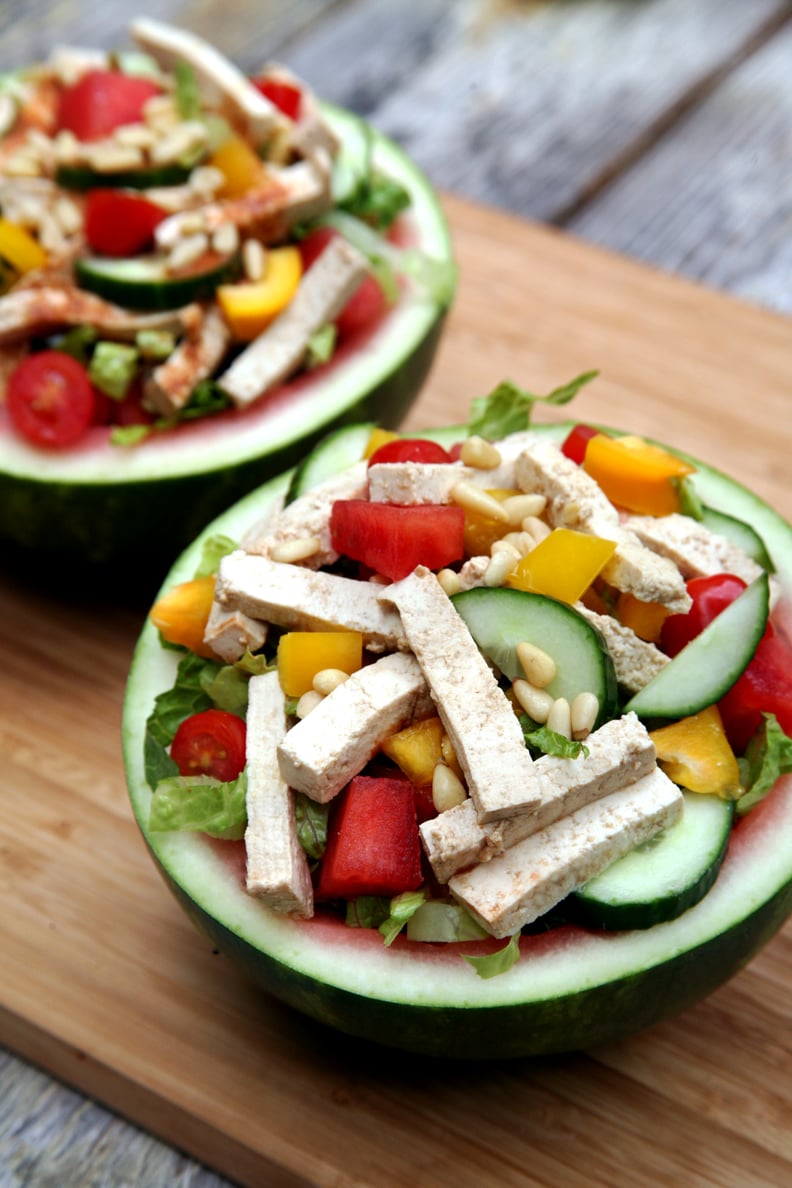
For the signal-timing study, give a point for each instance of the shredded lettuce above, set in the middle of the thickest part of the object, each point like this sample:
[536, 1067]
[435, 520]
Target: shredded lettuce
[78, 341]
[214, 548]
[113, 367]
[321, 345]
[508, 408]
[201, 804]
[402, 907]
[188, 696]
[769, 756]
[367, 911]
[188, 99]
[155, 345]
[496, 963]
[439, 922]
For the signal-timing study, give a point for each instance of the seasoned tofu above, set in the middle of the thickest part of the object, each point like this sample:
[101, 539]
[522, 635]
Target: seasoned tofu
[29, 311]
[322, 753]
[695, 549]
[619, 753]
[635, 660]
[415, 482]
[528, 879]
[309, 516]
[280, 350]
[477, 715]
[199, 353]
[277, 866]
[232, 633]
[303, 600]
[219, 80]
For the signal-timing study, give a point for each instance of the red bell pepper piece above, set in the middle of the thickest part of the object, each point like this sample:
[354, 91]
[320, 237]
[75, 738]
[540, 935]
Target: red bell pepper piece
[284, 95]
[392, 538]
[710, 596]
[373, 845]
[575, 443]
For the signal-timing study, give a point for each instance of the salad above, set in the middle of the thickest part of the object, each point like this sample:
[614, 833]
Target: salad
[178, 239]
[476, 684]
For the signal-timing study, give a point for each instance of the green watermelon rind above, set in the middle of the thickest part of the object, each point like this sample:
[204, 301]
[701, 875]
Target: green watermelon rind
[572, 989]
[100, 502]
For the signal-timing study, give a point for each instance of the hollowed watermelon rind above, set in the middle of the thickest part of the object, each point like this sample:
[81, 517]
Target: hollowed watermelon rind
[572, 988]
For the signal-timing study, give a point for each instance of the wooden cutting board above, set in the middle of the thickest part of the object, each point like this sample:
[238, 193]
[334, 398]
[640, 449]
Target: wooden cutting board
[104, 982]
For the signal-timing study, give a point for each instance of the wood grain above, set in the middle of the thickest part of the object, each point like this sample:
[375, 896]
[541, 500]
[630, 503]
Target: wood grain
[106, 984]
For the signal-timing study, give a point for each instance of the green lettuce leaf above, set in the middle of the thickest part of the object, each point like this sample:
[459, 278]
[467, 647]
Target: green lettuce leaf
[508, 409]
[321, 345]
[439, 922]
[311, 819]
[402, 907]
[498, 962]
[188, 98]
[214, 549]
[201, 804]
[367, 911]
[549, 742]
[768, 756]
[188, 696]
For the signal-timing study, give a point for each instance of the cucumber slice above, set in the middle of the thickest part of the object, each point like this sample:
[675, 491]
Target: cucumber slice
[739, 533]
[709, 665]
[334, 453]
[81, 177]
[663, 877]
[142, 282]
[499, 619]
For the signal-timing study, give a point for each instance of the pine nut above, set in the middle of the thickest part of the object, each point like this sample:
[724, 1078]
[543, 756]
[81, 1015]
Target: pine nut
[177, 142]
[499, 568]
[539, 667]
[225, 239]
[187, 250]
[22, 165]
[558, 720]
[307, 702]
[138, 135]
[523, 542]
[536, 528]
[519, 507]
[68, 215]
[299, 549]
[68, 150]
[474, 499]
[328, 679]
[447, 789]
[479, 453]
[505, 546]
[583, 714]
[254, 259]
[449, 580]
[536, 702]
[107, 157]
[570, 512]
[8, 113]
[206, 180]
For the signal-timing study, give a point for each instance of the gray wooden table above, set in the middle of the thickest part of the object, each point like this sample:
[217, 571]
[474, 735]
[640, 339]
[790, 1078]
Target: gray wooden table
[658, 128]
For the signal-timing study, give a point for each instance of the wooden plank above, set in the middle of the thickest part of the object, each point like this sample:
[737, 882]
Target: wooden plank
[107, 985]
[525, 107]
[714, 200]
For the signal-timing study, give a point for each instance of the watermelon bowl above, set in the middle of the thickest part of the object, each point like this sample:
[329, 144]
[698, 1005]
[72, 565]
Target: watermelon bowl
[572, 988]
[108, 504]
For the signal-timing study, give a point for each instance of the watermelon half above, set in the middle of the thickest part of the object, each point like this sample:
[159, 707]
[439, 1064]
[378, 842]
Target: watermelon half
[100, 503]
[571, 988]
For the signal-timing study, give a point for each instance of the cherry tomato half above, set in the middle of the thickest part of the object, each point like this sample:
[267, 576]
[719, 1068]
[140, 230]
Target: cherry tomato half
[410, 449]
[710, 595]
[50, 399]
[210, 743]
[120, 224]
[575, 443]
[101, 101]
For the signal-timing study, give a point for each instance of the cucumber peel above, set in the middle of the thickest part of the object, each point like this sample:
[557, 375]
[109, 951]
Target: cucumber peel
[709, 665]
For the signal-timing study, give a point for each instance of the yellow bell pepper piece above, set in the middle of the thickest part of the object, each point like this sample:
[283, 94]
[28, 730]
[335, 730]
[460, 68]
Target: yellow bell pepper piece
[180, 615]
[417, 749]
[239, 165]
[249, 307]
[563, 565]
[481, 531]
[19, 248]
[301, 654]
[695, 753]
[644, 618]
[379, 437]
[635, 474]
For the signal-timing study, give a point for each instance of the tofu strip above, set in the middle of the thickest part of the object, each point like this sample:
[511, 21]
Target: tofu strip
[527, 880]
[620, 753]
[277, 866]
[474, 710]
[301, 599]
[635, 660]
[281, 348]
[322, 752]
[694, 549]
